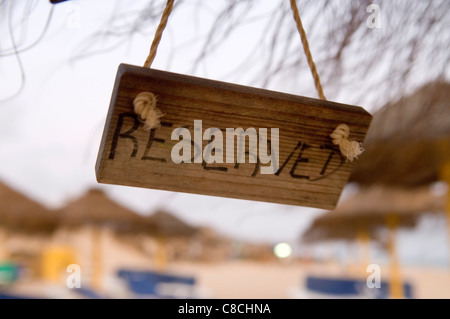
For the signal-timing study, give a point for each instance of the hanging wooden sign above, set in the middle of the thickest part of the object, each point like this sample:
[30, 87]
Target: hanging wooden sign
[227, 140]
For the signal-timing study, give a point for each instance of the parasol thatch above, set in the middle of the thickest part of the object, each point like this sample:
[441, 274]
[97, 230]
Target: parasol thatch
[21, 214]
[407, 145]
[408, 142]
[368, 209]
[95, 208]
[361, 216]
[162, 223]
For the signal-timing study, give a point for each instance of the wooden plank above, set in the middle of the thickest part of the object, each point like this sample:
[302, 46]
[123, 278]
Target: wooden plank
[310, 169]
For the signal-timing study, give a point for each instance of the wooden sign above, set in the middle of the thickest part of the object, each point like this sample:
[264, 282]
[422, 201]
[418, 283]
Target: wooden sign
[226, 140]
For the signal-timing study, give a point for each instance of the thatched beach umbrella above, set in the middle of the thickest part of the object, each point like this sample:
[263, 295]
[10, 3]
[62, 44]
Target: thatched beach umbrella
[97, 210]
[163, 223]
[19, 213]
[368, 208]
[164, 226]
[408, 143]
[373, 209]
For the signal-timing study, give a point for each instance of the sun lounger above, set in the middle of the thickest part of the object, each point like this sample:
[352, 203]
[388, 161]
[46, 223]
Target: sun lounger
[150, 284]
[323, 287]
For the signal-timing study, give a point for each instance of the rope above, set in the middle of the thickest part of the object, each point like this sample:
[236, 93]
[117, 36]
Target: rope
[145, 102]
[158, 33]
[349, 149]
[145, 107]
[305, 44]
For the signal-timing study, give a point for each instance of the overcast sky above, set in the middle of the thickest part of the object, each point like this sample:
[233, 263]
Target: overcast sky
[50, 132]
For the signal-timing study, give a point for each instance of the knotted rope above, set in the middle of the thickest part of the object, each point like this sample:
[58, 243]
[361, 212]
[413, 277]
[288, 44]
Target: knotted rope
[349, 149]
[145, 102]
[145, 107]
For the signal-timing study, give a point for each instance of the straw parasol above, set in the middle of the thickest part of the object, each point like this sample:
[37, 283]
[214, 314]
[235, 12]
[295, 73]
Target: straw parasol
[407, 148]
[164, 226]
[368, 210]
[95, 208]
[19, 213]
[163, 223]
[408, 142]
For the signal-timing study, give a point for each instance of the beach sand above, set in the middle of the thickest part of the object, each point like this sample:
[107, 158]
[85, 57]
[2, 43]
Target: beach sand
[234, 278]
[275, 279]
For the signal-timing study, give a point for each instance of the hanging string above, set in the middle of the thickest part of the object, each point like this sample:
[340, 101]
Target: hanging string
[305, 44]
[145, 107]
[158, 33]
[349, 149]
[145, 102]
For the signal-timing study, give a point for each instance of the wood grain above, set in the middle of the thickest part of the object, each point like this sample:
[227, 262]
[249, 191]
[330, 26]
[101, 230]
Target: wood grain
[131, 156]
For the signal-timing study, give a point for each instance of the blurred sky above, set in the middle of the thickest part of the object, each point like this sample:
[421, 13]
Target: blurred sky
[50, 132]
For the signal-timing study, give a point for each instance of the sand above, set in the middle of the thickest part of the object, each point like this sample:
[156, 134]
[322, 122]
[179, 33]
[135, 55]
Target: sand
[240, 279]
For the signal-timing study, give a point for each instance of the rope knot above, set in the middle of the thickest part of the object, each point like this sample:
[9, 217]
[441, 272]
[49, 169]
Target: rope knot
[145, 107]
[350, 149]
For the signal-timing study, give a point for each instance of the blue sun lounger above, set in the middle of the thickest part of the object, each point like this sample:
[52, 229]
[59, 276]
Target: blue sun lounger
[152, 284]
[324, 287]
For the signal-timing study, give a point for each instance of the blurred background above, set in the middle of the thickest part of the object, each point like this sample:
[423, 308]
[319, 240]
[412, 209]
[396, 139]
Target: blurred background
[63, 235]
